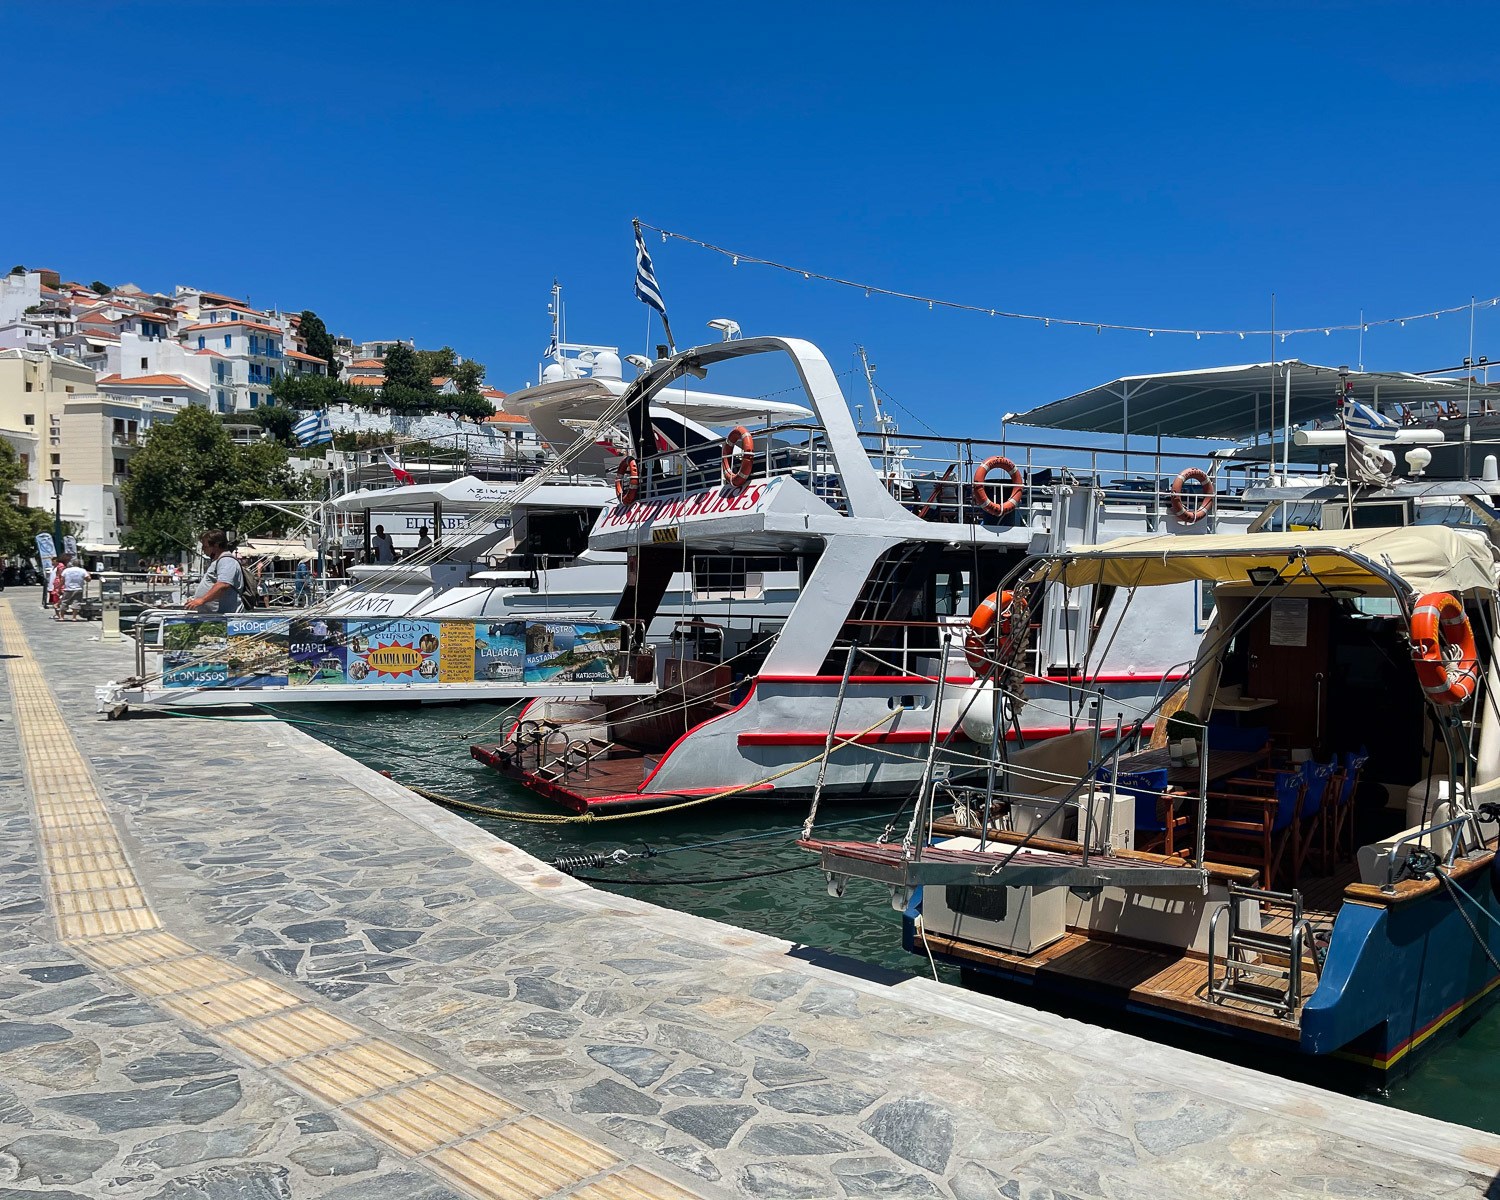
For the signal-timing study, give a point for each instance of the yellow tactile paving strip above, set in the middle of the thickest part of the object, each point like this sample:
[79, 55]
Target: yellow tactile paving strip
[474, 1139]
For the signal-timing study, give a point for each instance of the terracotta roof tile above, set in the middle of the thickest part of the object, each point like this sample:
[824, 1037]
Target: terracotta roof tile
[150, 381]
[230, 325]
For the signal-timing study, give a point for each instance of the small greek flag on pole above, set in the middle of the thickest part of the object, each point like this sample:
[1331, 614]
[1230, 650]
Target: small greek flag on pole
[646, 290]
[1369, 423]
[313, 429]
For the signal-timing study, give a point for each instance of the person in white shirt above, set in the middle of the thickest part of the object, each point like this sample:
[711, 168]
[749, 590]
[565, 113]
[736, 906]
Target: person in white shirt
[74, 577]
[382, 547]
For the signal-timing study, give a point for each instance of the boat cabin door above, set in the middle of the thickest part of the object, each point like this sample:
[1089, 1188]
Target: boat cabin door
[1288, 662]
[1063, 636]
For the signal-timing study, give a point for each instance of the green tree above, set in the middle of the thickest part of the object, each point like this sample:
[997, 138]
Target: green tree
[404, 369]
[189, 477]
[309, 392]
[318, 340]
[468, 404]
[404, 398]
[273, 417]
[101, 287]
[469, 376]
[436, 363]
[18, 526]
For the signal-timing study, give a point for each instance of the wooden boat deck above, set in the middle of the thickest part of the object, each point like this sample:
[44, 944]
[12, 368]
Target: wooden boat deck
[606, 782]
[1128, 972]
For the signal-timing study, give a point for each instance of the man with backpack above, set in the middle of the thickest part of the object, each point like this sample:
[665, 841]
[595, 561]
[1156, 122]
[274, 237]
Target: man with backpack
[219, 591]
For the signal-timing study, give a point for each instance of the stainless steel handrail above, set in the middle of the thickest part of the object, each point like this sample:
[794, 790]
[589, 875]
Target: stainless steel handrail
[1394, 862]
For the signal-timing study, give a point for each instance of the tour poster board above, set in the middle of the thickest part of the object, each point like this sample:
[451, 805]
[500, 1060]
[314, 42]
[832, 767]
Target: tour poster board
[245, 651]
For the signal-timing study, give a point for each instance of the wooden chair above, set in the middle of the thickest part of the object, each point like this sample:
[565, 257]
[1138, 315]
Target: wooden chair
[1257, 826]
[1340, 807]
[1312, 818]
[1156, 820]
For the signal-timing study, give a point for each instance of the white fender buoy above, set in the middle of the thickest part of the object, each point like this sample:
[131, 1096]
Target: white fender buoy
[981, 705]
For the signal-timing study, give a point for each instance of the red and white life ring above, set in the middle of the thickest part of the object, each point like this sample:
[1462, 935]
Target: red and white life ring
[628, 481]
[739, 457]
[997, 462]
[1191, 514]
[1009, 610]
[1443, 649]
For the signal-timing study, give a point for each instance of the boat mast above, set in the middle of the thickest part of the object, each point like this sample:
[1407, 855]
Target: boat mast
[883, 421]
[554, 310]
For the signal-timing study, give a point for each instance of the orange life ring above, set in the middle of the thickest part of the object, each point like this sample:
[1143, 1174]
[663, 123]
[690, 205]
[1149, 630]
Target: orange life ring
[982, 494]
[1443, 649]
[1006, 607]
[739, 457]
[628, 481]
[1191, 514]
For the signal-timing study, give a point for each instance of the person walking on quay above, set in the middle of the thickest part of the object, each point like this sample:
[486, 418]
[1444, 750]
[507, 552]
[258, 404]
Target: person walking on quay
[382, 547]
[219, 589]
[74, 578]
[55, 584]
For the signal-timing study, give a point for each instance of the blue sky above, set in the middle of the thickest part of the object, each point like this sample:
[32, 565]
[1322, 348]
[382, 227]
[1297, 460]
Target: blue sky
[425, 171]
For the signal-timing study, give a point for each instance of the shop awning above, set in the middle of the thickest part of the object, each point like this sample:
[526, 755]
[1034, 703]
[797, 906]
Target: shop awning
[1427, 558]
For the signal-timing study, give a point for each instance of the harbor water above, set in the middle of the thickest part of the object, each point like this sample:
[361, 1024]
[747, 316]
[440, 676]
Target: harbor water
[761, 881]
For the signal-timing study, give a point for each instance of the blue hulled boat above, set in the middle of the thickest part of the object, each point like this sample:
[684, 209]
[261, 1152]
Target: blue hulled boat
[1295, 848]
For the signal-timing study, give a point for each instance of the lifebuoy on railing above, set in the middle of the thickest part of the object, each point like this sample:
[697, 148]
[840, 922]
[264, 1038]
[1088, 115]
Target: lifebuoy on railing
[1443, 649]
[982, 497]
[628, 481]
[1009, 610]
[739, 457]
[1191, 514]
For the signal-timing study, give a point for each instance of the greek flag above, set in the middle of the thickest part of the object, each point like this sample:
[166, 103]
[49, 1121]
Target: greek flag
[1366, 422]
[313, 429]
[646, 290]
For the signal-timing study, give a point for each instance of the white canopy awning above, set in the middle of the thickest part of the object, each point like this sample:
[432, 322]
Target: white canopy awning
[287, 548]
[1426, 558]
[1238, 402]
[468, 493]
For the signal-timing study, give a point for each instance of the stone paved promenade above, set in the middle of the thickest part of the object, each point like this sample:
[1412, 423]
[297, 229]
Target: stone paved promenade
[235, 964]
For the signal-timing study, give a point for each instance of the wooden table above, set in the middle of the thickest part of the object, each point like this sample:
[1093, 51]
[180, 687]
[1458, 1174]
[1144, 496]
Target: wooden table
[1221, 764]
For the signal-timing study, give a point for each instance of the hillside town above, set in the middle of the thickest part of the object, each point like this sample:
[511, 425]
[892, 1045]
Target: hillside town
[86, 371]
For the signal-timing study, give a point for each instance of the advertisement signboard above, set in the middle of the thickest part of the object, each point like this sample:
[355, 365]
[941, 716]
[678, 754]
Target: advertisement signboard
[308, 652]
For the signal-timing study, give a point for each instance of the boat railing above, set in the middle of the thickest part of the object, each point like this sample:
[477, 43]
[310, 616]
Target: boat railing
[905, 649]
[1423, 837]
[937, 477]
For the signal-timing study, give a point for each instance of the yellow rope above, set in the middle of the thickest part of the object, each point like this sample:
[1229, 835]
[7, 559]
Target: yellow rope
[586, 818]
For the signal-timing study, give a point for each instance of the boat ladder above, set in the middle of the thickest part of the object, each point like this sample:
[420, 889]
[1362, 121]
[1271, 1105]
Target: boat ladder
[1261, 967]
[579, 754]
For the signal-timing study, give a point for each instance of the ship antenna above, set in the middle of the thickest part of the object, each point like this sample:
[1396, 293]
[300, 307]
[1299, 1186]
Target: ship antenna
[883, 421]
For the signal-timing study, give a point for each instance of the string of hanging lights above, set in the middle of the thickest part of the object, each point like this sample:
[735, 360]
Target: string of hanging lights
[738, 258]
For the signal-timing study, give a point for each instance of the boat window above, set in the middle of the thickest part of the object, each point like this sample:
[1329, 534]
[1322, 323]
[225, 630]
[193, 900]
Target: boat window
[951, 593]
[551, 537]
[1205, 591]
[1451, 513]
[736, 575]
[1382, 515]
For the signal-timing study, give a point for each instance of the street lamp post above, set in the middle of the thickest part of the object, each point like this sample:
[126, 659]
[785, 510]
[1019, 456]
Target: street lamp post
[57, 536]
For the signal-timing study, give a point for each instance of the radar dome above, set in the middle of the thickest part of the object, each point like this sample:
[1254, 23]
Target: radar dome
[553, 372]
[607, 365]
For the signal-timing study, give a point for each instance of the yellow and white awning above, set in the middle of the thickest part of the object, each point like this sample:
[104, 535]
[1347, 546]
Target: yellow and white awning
[1426, 558]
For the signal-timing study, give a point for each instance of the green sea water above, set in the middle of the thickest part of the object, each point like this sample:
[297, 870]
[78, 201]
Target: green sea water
[429, 746]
